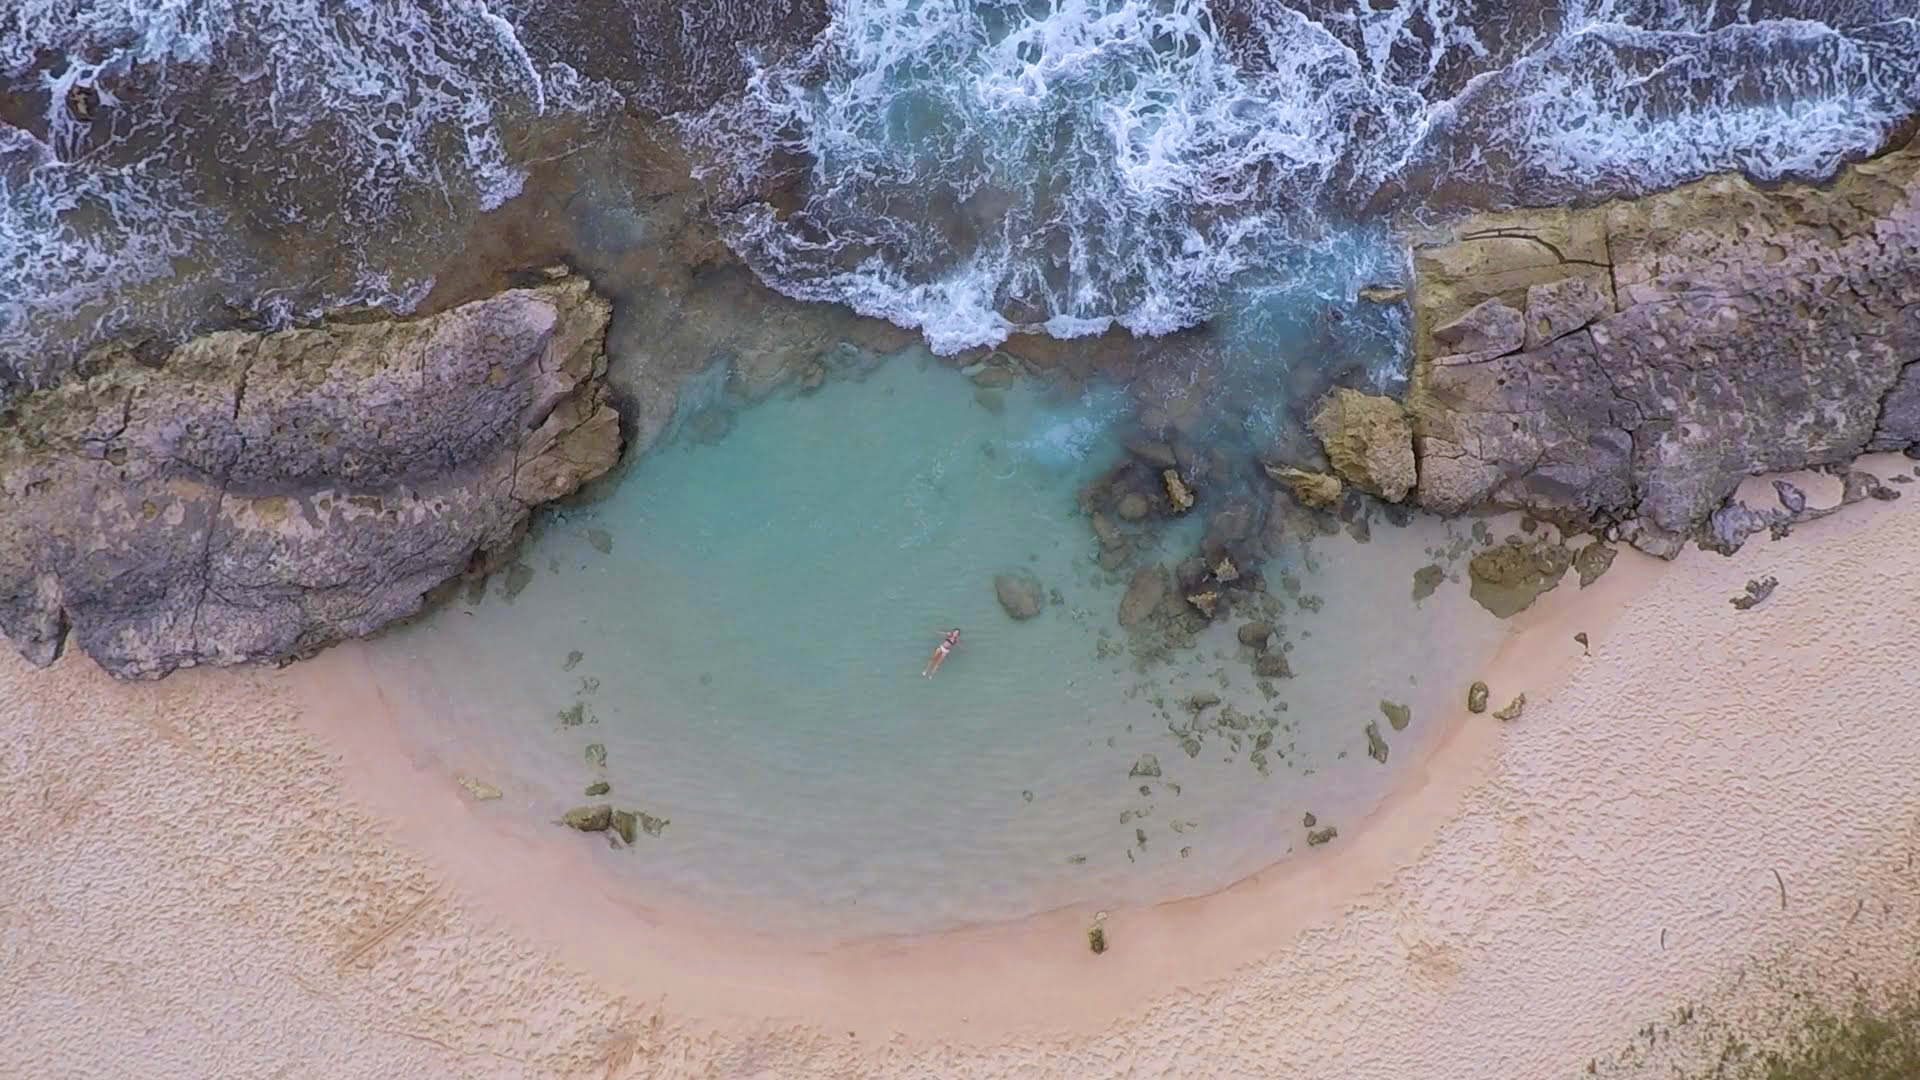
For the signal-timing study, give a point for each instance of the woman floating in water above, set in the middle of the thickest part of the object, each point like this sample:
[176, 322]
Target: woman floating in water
[940, 652]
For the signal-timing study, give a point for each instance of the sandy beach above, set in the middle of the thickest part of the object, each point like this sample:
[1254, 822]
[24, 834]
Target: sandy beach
[1701, 814]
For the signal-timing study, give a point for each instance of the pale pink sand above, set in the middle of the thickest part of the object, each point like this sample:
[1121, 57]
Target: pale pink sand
[199, 879]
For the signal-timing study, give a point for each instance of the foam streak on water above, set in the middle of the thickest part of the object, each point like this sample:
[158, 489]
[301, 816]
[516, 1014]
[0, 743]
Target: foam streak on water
[979, 167]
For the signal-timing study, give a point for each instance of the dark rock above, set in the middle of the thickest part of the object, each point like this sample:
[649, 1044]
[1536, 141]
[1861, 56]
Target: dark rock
[1746, 332]
[1308, 821]
[1426, 580]
[625, 822]
[1144, 594]
[1020, 594]
[1272, 665]
[1477, 698]
[589, 818]
[1398, 716]
[1321, 836]
[1791, 497]
[258, 497]
[1593, 560]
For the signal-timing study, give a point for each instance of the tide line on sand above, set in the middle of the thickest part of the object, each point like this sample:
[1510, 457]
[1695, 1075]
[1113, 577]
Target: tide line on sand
[1704, 807]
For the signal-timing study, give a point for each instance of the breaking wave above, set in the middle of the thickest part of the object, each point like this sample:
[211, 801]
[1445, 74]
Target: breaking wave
[975, 168]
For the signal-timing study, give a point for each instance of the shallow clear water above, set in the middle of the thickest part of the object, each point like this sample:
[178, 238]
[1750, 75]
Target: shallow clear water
[751, 647]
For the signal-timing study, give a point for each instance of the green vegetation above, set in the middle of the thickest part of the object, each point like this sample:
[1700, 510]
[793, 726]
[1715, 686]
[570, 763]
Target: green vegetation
[1869, 1043]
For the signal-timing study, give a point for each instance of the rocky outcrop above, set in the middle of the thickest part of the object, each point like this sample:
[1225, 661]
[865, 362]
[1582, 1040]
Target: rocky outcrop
[1368, 441]
[260, 496]
[1630, 363]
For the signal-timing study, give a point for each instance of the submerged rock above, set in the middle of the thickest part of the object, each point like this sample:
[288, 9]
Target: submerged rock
[1426, 581]
[1149, 586]
[478, 788]
[596, 755]
[1020, 594]
[1477, 697]
[1758, 590]
[1132, 506]
[261, 496]
[1272, 665]
[1145, 765]
[1255, 635]
[588, 818]
[626, 824]
[1368, 441]
[1179, 496]
[1376, 746]
[1509, 577]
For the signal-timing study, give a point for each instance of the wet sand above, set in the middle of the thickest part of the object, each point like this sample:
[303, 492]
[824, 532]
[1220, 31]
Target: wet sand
[239, 874]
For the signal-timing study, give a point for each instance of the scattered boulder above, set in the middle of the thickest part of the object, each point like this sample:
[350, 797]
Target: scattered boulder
[625, 824]
[1308, 821]
[1255, 635]
[1376, 746]
[1200, 701]
[1398, 716]
[598, 787]
[1477, 697]
[1321, 836]
[1179, 496]
[1020, 594]
[1513, 709]
[1272, 665]
[596, 755]
[1097, 939]
[1368, 441]
[1758, 590]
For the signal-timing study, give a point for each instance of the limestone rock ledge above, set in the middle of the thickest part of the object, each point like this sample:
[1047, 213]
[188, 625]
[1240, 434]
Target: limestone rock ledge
[261, 496]
[1630, 363]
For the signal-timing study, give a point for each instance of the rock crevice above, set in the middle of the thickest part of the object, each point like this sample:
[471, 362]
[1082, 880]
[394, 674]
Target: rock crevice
[1629, 364]
[260, 496]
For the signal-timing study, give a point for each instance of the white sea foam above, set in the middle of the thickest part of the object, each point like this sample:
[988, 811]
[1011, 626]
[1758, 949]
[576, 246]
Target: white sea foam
[976, 168]
[347, 113]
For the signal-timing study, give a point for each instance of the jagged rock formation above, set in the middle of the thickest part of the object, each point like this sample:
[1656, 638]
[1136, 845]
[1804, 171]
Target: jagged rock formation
[1368, 442]
[260, 496]
[1631, 363]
